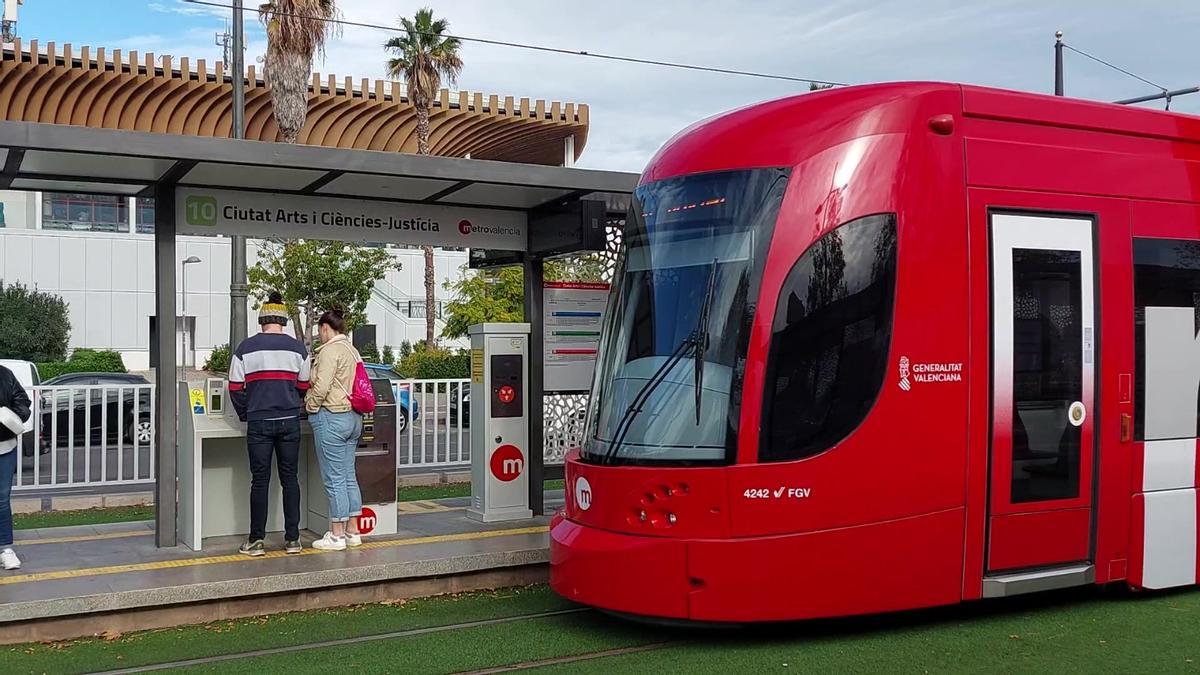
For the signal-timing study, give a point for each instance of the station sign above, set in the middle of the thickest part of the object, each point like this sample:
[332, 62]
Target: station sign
[270, 215]
[573, 316]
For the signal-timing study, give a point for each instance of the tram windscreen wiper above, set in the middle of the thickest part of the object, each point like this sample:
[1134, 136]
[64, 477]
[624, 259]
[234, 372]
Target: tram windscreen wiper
[702, 337]
[635, 406]
[697, 343]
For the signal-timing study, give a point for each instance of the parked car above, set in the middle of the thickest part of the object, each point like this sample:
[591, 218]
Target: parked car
[466, 406]
[107, 411]
[27, 374]
[406, 404]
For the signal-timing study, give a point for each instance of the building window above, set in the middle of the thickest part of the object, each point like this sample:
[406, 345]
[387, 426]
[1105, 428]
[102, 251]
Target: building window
[830, 339]
[2, 215]
[145, 215]
[84, 212]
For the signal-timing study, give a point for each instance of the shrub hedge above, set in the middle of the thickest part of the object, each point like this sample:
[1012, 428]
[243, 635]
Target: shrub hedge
[84, 361]
[435, 364]
[218, 360]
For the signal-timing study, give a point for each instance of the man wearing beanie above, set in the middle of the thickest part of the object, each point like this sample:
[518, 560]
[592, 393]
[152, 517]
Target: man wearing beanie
[268, 376]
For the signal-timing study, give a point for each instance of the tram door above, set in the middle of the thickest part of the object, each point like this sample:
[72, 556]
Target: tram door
[1043, 383]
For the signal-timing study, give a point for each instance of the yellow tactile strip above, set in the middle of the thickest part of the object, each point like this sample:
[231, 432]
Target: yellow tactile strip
[22, 543]
[237, 557]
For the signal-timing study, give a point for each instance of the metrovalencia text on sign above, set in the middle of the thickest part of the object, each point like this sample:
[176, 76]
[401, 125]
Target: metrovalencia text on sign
[267, 215]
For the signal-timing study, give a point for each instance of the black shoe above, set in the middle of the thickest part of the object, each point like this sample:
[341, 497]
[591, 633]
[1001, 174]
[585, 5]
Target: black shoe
[293, 547]
[253, 549]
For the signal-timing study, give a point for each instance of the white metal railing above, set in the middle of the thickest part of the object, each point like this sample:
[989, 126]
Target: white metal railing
[88, 436]
[433, 425]
[439, 434]
[103, 435]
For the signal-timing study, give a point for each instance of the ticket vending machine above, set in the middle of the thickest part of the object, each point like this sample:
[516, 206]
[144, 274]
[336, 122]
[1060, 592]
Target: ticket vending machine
[499, 427]
[375, 463]
[374, 466]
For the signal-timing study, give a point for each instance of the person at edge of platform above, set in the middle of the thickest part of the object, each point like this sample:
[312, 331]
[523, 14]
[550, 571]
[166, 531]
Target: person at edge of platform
[14, 413]
[268, 376]
[336, 430]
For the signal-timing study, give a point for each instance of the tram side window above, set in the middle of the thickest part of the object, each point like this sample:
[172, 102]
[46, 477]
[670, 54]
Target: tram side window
[1166, 274]
[830, 337]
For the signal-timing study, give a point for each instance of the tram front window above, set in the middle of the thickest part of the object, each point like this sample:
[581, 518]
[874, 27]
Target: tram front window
[694, 248]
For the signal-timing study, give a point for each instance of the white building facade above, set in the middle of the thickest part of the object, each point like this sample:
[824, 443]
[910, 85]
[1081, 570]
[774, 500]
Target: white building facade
[97, 253]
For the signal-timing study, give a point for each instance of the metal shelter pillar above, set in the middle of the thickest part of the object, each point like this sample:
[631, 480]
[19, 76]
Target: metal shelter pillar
[165, 412]
[534, 279]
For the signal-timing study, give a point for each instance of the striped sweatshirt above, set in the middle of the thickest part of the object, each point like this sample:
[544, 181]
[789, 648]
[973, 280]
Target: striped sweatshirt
[268, 376]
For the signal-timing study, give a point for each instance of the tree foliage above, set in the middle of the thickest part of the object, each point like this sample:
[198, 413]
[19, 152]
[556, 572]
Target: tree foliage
[36, 326]
[296, 32]
[498, 295]
[315, 276]
[424, 56]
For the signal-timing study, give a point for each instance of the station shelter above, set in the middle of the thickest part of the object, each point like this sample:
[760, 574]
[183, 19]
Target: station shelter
[504, 213]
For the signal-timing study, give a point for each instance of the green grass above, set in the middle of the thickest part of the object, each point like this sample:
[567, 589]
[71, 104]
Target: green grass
[449, 490]
[115, 514]
[225, 637]
[1084, 631]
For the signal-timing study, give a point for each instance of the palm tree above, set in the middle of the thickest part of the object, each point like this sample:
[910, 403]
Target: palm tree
[296, 32]
[423, 57]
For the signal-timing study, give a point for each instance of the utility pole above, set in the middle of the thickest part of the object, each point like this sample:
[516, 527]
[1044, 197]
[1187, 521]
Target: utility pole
[237, 281]
[1058, 64]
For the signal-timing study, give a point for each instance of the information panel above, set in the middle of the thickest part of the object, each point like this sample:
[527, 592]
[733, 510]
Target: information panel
[279, 216]
[574, 313]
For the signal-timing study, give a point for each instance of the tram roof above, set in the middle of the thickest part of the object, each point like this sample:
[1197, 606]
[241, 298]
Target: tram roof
[62, 158]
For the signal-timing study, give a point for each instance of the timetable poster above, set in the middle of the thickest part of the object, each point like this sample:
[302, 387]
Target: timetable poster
[574, 312]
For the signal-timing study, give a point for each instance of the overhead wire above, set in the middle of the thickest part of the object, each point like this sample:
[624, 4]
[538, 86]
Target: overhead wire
[551, 50]
[1115, 67]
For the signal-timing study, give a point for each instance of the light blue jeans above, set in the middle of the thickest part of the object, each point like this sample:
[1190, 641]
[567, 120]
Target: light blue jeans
[336, 436]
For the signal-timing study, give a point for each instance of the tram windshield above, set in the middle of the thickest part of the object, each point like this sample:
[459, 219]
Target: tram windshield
[692, 244]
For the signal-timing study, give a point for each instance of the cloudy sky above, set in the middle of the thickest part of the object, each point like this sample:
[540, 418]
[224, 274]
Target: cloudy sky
[637, 107]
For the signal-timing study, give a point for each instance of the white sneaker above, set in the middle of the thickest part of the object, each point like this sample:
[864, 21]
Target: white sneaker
[9, 559]
[330, 543]
[353, 539]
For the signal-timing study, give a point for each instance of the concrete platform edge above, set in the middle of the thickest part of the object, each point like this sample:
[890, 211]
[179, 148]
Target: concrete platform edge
[171, 616]
[301, 582]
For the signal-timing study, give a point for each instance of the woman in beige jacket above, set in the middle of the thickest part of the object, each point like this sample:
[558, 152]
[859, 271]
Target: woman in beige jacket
[336, 430]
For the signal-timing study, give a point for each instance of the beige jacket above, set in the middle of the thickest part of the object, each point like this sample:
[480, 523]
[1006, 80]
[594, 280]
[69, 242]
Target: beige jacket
[332, 376]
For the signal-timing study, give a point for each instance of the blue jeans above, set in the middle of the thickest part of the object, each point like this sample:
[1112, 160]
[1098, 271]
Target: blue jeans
[280, 438]
[337, 435]
[8, 471]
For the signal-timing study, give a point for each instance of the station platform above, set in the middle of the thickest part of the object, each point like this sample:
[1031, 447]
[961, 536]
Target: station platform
[89, 580]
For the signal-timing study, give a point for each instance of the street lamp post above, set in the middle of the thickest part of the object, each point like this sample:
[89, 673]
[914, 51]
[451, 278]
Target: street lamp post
[191, 260]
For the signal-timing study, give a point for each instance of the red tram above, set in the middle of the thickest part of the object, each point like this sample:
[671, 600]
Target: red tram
[889, 347]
